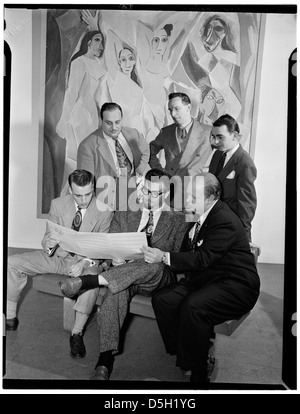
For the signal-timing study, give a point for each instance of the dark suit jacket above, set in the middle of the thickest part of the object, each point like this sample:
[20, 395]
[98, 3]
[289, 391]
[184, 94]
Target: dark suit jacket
[237, 181]
[63, 210]
[167, 236]
[222, 251]
[194, 157]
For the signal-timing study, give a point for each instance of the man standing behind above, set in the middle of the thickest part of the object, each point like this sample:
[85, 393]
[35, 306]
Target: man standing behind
[164, 229]
[185, 143]
[78, 211]
[235, 170]
[115, 152]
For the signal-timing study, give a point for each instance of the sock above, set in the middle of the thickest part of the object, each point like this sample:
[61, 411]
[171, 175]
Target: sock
[80, 321]
[89, 281]
[11, 309]
[105, 358]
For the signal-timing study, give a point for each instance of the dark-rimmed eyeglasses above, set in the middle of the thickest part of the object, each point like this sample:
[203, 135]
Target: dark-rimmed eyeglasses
[153, 194]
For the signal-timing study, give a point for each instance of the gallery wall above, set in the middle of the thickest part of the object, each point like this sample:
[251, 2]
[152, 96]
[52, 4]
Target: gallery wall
[26, 230]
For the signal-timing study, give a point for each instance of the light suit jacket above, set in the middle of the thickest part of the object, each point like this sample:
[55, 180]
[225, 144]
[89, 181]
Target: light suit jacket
[94, 155]
[62, 212]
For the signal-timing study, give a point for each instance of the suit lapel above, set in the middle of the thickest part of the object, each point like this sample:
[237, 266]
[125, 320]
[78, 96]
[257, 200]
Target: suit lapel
[173, 143]
[90, 217]
[134, 219]
[192, 144]
[229, 166]
[163, 225]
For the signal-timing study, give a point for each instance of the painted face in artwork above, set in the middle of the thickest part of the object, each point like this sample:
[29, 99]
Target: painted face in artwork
[214, 34]
[96, 45]
[212, 103]
[160, 42]
[126, 61]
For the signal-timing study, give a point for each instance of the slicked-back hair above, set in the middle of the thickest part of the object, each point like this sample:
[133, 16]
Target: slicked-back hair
[229, 121]
[183, 96]
[81, 178]
[110, 106]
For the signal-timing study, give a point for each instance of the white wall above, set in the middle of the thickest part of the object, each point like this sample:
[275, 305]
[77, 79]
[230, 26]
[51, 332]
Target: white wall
[25, 230]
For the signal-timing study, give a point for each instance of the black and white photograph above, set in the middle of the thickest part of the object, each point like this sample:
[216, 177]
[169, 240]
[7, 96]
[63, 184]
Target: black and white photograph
[149, 200]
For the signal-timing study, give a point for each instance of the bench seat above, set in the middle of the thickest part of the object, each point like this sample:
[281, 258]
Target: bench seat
[139, 305]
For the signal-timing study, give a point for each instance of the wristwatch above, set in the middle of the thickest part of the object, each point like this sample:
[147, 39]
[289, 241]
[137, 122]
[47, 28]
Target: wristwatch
[91, 262]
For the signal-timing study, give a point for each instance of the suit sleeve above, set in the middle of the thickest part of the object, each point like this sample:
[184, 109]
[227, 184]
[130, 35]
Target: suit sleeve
[145, 154]
[86, 157]
[155, 147]
[246, 196]
[104, 222]
[216, 243]
[54, 217]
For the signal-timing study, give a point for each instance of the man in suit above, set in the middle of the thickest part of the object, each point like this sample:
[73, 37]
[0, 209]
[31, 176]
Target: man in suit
[78, 211]
[221, 280]
[165, 230]
[115, 155]
[185, 143]
[235, 170]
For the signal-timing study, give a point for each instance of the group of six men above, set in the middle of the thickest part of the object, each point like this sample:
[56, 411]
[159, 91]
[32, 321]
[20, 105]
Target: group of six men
[207, 238]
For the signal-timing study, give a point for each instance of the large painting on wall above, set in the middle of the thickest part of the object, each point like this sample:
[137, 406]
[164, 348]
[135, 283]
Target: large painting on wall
[136, 58]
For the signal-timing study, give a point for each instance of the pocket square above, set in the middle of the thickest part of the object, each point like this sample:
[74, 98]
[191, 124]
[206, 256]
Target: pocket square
[199, 243]
[231, 175]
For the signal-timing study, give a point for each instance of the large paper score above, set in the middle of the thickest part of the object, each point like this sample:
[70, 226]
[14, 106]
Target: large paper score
[118, 246]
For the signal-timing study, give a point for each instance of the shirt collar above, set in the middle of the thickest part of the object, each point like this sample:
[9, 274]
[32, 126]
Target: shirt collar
[230, 153]
[187, 127]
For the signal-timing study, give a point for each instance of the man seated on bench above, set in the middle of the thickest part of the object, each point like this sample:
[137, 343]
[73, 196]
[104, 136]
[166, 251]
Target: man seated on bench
[165, 229]
[78, 211]
[221, 281]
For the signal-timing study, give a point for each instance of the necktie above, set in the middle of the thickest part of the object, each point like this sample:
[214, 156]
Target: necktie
[220, 164]
[182, 133]
[149, 227]
[195, 238]
[123, 160]
[77, 220]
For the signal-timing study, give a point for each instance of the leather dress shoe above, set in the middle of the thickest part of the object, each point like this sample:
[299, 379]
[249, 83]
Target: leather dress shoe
[11, 324]
[77, 346]
[70, 286]
[101, 373]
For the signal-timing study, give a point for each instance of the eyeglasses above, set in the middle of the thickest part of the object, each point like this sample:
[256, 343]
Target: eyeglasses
[153, 194]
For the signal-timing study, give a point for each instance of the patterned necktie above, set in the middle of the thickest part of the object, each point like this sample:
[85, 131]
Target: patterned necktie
[220, 164]
[195, 238]
[149, 227]
[123, 160]
[77, 220]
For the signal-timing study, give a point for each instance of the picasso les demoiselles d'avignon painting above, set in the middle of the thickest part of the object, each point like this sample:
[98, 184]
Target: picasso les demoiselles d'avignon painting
[139, 57]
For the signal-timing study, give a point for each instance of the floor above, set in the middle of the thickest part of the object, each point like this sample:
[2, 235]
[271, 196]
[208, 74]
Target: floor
[36, 355]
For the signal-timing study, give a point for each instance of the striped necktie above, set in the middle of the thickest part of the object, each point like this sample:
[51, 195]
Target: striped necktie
[196, 234]
[149, 227]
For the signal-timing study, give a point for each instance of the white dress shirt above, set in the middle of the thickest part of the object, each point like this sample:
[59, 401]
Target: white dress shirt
[145, 217]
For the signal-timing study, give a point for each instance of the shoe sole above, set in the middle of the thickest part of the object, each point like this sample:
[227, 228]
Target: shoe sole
[77, 356]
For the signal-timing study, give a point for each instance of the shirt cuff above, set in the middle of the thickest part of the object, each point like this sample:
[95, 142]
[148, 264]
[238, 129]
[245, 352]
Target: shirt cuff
[91, 262]
[166, 259]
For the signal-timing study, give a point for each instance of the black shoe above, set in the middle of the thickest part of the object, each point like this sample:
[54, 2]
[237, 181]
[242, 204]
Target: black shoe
[211, 361]
[77, 346]
[11, 324]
